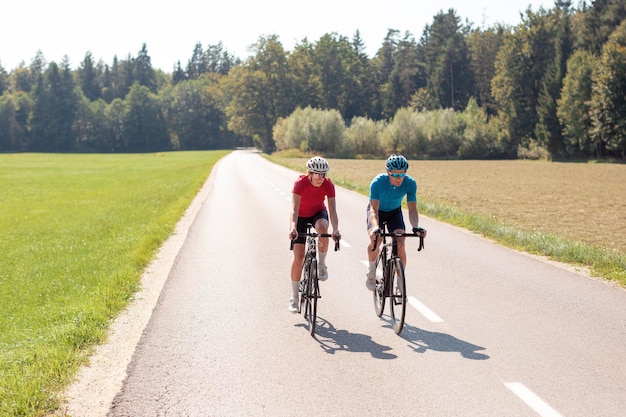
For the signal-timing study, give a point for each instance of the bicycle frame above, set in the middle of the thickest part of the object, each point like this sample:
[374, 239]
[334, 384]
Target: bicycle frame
[309, 285]
[392, 283]
[386, 256]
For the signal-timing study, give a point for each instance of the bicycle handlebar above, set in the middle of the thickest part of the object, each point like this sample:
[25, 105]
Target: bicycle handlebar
[395, 235]
[315, 235]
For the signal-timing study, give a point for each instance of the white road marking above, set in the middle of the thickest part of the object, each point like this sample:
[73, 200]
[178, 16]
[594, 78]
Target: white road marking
[345, 244]
[531, 399]
[426, 312]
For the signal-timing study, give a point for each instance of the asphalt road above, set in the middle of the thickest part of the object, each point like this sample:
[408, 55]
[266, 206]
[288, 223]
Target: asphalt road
[489, 332]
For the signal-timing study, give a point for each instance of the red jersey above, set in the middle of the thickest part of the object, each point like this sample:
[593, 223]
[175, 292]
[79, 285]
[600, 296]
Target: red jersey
[311, 197]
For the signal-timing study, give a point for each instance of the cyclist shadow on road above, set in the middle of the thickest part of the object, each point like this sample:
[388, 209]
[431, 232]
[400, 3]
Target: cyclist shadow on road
[422, 341]
[333, 340]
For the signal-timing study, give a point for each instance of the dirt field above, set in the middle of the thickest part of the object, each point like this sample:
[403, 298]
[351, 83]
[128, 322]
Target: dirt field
[579, 201]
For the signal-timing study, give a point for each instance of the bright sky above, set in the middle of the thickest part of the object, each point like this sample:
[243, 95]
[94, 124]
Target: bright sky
[171, 30]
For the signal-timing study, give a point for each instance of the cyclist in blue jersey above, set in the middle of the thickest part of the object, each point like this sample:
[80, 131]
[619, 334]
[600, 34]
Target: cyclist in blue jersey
[387, 191]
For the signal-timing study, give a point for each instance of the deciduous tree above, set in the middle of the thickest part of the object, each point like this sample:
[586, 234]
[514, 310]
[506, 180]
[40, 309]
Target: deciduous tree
[144, 122]
[12, 123]
[257, 93]
[573, 107]
[195, 116]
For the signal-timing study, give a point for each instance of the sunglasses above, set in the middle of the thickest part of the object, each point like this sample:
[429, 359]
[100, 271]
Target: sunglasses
[321, 174]
[398, 174]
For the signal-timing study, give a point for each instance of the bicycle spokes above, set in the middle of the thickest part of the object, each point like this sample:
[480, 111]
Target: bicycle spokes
[397, 304]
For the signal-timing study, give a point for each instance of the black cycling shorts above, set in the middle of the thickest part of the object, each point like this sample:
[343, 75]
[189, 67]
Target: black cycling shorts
[393, 218]
[303, 221]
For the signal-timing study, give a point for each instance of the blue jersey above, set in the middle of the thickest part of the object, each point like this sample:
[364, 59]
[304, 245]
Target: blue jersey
[390, 197]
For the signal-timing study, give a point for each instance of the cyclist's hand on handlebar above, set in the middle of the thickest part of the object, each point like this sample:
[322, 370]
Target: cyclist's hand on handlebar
[293, 234]
[336, 238]
[375, 231]
[419, 231]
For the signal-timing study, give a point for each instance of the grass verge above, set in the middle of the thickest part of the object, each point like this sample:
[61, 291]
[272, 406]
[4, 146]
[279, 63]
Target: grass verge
[599, 261]
[76, 233]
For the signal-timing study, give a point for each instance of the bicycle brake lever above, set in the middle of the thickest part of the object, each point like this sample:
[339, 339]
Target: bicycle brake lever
[421, 246]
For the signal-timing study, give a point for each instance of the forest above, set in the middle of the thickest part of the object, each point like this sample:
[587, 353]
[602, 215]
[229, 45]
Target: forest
[552, 87]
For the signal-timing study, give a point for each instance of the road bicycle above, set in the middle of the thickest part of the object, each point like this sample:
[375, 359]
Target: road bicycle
[390, 282]
[309, 283]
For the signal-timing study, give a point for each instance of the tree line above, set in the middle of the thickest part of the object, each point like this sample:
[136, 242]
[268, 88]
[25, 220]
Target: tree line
[552, 86]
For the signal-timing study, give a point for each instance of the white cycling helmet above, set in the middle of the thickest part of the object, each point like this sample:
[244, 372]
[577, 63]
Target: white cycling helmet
[317, 164]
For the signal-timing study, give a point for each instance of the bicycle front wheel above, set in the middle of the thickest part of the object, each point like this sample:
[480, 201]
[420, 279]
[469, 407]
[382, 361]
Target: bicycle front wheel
[304, 289]
[397, 301]
[313, 295]
[379, 290]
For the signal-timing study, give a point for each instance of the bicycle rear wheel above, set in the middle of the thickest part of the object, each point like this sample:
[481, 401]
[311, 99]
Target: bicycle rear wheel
[379, 291]
[312, 295]
[397, 301]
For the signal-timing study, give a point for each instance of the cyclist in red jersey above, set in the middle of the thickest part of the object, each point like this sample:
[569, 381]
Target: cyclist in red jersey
[309, 192]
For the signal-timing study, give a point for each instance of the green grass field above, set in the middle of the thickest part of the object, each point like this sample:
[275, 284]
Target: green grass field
[569, 212]
[76, 233]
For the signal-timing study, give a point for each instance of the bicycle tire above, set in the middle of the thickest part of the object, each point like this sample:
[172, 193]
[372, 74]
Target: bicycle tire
[379, 290]
[397, 300]
[313, 295]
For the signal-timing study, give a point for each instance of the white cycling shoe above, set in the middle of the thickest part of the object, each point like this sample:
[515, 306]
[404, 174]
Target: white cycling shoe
[322, 273]
[293, 305]
[370, 283]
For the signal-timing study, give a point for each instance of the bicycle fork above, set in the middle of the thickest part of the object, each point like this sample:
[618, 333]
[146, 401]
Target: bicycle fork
[308, 281]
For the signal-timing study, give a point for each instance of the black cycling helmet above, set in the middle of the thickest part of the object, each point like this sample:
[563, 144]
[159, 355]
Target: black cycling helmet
[317, 164]
[397, 162]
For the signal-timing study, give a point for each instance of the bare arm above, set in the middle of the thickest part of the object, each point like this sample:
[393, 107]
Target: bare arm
[413, 214]
[334, 219]
[293, 219]
[374, 206]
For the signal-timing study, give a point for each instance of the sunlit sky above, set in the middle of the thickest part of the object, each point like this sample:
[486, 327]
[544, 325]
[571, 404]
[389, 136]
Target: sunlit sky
[171, 30]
